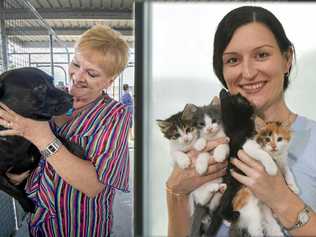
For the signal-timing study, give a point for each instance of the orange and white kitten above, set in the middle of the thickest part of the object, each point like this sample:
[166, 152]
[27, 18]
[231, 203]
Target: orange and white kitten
[255, 217]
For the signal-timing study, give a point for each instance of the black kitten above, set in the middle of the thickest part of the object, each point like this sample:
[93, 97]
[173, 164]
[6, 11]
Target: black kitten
[238, 123]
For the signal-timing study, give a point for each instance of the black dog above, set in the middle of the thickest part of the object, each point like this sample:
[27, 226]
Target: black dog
[29, 92]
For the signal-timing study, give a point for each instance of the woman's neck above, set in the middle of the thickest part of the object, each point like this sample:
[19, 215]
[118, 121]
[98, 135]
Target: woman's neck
[276, 112]
[81, 103]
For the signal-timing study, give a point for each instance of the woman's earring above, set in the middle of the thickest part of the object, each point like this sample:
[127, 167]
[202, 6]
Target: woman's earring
[286, 76]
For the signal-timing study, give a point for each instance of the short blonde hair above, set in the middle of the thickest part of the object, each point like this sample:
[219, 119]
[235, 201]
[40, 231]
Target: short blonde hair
[109, 43]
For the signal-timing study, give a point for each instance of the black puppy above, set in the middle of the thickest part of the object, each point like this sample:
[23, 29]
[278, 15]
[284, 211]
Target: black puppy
[29, 92]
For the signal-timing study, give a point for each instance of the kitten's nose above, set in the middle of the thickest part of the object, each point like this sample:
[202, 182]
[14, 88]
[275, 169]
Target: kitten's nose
[273, 147]
[209, 129]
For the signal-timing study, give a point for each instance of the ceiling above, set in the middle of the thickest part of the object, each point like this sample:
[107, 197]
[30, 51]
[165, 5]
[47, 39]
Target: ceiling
[67, 18]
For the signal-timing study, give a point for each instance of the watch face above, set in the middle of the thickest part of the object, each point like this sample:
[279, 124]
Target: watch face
[303, 217]
[52, 148]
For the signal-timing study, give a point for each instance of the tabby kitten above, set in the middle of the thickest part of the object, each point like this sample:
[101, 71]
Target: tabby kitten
[257, 219]
[183, 130]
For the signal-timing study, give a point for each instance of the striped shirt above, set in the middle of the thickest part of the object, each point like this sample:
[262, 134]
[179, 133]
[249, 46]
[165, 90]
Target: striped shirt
[61, 210]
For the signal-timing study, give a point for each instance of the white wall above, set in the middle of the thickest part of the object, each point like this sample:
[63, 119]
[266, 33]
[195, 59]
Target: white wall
[182, 39]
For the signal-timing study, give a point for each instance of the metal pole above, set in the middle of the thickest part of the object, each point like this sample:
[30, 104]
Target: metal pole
[4, 41]
[51, 52]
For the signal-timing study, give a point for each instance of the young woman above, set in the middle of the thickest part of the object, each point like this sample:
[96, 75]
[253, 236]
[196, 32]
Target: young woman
[253, 56]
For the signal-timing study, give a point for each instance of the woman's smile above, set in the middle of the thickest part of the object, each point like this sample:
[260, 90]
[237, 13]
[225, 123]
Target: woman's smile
[253, 87]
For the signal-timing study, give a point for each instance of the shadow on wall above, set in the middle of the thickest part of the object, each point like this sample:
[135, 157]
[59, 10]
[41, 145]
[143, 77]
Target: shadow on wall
[301, 92]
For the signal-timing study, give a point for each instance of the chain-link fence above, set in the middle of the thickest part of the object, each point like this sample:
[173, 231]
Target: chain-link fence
[26, 41]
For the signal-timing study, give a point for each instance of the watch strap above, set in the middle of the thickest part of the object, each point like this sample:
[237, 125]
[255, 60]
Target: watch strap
[51, 148]
[304, 213]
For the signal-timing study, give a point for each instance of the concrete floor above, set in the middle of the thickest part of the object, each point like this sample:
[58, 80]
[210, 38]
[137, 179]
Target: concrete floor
[122, 211]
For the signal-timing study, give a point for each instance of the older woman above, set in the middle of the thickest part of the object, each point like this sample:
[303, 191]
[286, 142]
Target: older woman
[74, 195]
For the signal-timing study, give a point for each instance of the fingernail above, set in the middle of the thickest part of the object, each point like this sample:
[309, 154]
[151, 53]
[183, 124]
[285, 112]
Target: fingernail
[231, 170]
[227, 139]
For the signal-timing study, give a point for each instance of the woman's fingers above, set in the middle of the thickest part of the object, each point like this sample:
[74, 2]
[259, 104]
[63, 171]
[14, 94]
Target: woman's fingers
[214, 143]
[6, 112]
[11, 132]
[242, 178]
[249, 171]
[213, 168]
[206, 178]
[243, 156]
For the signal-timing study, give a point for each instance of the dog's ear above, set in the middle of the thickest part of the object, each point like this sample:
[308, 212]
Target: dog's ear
[40, 92]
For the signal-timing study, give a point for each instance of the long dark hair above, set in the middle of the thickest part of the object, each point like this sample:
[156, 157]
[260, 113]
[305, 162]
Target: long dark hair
[242, 16]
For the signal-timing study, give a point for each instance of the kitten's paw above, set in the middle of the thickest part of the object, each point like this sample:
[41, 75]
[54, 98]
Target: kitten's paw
[183, 162]
[294, 188]
[201, 163]
[219, 155]
[200, 144]
[221, 152]
[222, 187]
[271, 168]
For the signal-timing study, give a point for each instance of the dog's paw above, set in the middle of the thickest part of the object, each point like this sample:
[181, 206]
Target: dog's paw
[201, 163]
[200, 144]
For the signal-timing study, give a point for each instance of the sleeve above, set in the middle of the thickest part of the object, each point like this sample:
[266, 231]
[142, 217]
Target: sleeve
[109, 153]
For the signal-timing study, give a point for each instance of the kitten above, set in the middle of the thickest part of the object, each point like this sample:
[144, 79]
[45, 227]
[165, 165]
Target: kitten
[181, 131]
[275, 138]
[256, 219]
[239, 126]
[192, 128]
[207, 197]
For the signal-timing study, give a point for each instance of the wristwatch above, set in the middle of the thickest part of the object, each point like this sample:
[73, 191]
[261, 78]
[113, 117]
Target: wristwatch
[302, 218]
[51, 148]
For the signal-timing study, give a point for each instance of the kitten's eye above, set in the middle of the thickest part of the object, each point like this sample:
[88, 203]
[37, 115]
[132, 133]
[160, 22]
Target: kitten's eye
[188, 130]
[214, 121]
[279, 139]
[175, 136]
[201, 124]
[267, 139]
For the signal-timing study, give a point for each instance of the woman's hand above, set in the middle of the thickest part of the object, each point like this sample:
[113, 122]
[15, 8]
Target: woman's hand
[17, 179]
[37, 132]
[185, 181]
[269, 189]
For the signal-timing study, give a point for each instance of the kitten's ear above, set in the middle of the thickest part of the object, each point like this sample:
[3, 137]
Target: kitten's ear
[215, 101]
[259, 123]
[188, 111]
[164, 125]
